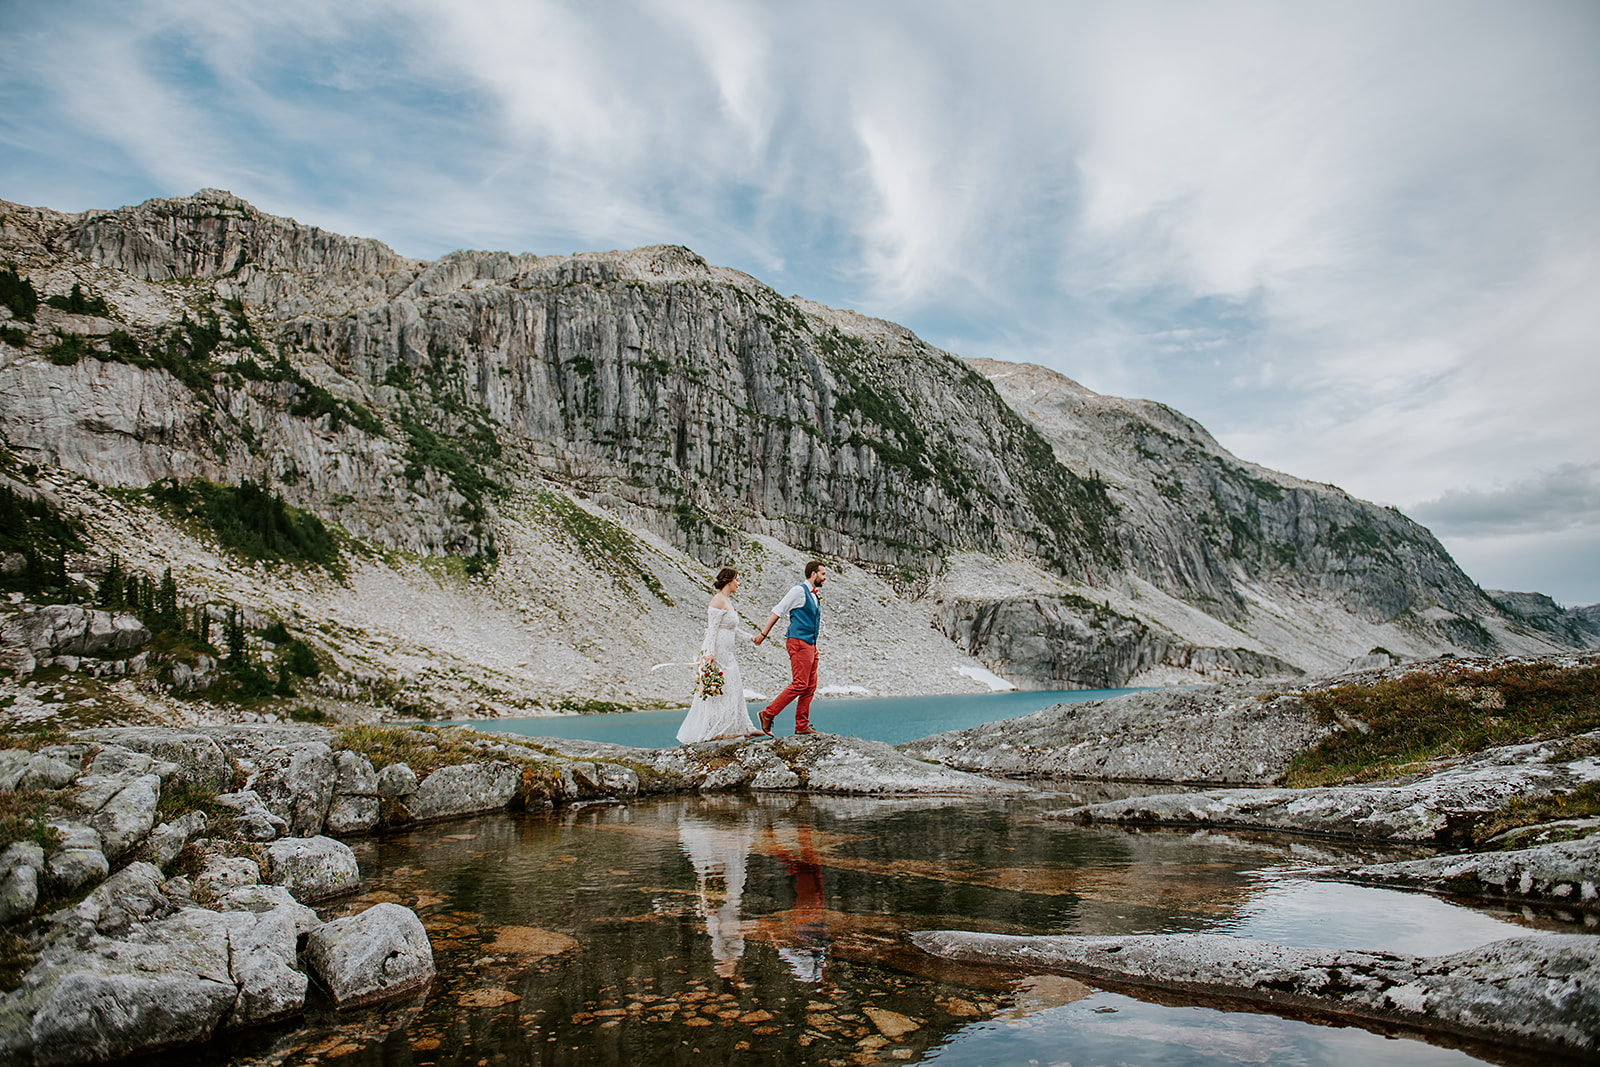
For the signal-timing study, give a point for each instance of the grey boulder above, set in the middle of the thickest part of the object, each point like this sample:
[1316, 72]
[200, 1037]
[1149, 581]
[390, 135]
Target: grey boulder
[1236, 734]
[255, 819]
[464, 789]
[51, 768]
[20, 865]
[79, 860]
[262, 964]
[70, 628]
[128, 815]
[356, 776]
[1565, 873]
[296, 783]
[130, 896]
[168, 983]
[313, 868]
[167, 840]
[352, 814]
[1437, 808]
[397, 780]
[199, 760]
[379, 954]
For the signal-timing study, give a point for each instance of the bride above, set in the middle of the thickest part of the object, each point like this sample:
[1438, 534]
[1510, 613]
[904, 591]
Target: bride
[713, 718]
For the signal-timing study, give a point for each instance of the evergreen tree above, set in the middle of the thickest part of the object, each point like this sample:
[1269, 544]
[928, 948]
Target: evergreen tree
[235, 637]
[167, 601]
[111, 584]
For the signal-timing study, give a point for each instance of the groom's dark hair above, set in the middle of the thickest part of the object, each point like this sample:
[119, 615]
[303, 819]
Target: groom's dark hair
[811, 566]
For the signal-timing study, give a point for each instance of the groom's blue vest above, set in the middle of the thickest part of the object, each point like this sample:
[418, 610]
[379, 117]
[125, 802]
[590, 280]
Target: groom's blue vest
[806, 620]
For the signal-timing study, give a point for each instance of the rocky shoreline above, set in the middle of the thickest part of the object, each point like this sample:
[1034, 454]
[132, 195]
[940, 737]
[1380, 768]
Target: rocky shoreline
[204, 926]
[180, 863]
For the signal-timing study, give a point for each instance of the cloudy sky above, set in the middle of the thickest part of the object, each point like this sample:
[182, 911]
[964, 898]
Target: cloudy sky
[1359, 241]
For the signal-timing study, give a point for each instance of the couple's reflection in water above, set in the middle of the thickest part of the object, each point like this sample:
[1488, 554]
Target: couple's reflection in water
[721, 845]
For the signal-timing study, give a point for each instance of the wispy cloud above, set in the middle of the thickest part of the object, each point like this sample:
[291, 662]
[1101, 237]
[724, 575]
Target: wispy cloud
[1357, 241]
[1556, 499]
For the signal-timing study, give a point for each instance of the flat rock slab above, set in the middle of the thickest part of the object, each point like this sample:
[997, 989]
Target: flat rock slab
[1564, 874]
[1536, 992]
[1440, 807]
[813, 763]
[829, 763]
[1236, 733]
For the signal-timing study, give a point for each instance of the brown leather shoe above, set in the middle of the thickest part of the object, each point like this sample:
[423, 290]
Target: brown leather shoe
[766, 722]
[807, 730]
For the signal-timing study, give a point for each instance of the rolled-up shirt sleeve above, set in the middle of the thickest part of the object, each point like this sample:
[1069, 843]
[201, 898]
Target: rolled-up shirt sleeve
[791, 600]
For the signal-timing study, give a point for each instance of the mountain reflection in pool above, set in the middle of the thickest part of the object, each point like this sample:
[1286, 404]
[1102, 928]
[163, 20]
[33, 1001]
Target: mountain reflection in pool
[695, 930]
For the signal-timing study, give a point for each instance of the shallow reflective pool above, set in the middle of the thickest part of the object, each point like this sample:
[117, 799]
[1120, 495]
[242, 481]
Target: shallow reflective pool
[701, 930]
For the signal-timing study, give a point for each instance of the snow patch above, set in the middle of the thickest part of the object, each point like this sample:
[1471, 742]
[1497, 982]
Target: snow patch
[987, 677]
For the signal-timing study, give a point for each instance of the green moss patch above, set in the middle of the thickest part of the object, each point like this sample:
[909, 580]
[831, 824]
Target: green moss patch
[1434, 715]
[1580, 803]
[23, 814]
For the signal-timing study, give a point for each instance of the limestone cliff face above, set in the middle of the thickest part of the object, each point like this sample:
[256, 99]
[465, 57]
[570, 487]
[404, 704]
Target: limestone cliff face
[1068, 642]
[694, 396]
[1241, 541]
[412, 402]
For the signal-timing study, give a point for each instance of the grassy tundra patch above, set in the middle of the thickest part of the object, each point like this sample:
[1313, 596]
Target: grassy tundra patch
[1429, 716]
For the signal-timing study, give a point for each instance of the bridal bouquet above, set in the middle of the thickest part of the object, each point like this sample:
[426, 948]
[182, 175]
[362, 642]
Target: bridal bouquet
[710, 681]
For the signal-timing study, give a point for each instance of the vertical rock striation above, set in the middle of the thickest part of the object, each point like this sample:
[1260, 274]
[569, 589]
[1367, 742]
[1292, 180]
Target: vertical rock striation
[411, 401]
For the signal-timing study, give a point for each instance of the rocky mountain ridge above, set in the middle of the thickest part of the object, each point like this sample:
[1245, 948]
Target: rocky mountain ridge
[591, 432]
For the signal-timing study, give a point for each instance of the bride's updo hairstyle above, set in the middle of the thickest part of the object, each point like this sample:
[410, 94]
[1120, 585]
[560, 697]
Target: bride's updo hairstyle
[724, 576]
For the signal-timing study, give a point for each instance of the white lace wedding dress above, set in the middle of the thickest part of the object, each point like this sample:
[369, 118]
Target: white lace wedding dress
[724, 715]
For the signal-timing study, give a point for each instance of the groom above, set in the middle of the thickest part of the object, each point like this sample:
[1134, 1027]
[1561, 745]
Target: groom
[805, 623]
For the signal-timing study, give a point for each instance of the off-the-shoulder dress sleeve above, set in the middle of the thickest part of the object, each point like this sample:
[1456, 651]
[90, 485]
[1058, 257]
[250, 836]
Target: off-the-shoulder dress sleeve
[709, 645]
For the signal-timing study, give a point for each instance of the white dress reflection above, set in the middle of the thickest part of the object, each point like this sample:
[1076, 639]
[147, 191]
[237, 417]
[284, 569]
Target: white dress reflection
[719, 850]
[719, 844]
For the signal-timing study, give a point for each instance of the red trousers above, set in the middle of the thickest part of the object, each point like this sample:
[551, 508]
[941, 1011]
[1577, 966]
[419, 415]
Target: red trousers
[803, 683]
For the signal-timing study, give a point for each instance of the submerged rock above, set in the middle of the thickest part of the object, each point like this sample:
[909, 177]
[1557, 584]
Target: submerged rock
[1538, 992]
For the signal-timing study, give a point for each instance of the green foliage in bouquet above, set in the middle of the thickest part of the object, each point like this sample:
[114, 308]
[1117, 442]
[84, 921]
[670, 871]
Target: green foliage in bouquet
[710, 682]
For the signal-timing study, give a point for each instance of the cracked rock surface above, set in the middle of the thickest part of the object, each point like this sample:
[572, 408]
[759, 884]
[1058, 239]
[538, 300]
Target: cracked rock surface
[1539, 992]
[1434, 809]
